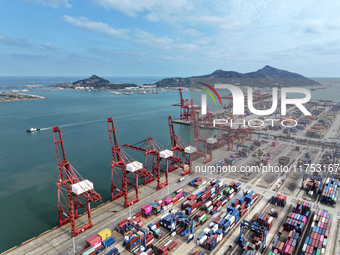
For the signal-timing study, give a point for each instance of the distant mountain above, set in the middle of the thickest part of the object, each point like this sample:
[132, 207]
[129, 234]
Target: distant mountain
[93, 81]
[271, 72]
[266, 77]
[99, 83]
[173, 82]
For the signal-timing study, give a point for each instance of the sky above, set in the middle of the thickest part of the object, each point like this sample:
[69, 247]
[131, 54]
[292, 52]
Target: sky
[168, 37]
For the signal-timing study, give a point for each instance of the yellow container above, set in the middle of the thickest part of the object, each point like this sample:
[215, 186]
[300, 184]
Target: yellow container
[105, 234]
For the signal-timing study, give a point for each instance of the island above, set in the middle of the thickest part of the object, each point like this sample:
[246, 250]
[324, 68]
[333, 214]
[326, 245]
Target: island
[96, 82]
[266, 77]
[14, 96]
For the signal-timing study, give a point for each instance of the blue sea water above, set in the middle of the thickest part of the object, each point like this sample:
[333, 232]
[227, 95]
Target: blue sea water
[28, 165]
[28, 194]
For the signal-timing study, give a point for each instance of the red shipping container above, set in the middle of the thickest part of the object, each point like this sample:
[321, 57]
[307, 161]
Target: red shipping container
[192, 197]
[291, 249]
[281, 247]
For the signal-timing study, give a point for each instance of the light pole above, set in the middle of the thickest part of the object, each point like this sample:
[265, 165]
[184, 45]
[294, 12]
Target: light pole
[130, 209]
[74, 246]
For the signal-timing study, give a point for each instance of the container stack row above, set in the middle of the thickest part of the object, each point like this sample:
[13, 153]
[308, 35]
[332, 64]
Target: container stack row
[278, 199]
[263, 220]
[212, 195]
[249, 247]
[290, 233]
[159, 206]
[228, 161]
[313, 186]
[225, 221]
[99, 242]
[330, 192]
[316, 241]
[197, 182]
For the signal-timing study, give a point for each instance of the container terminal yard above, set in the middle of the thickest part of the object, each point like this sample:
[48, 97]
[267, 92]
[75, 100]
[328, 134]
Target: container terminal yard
[208, 197]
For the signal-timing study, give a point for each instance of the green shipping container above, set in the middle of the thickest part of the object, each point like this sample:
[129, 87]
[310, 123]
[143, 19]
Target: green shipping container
[154, 246]
[203, 219]
[226, 191]
[88, 251]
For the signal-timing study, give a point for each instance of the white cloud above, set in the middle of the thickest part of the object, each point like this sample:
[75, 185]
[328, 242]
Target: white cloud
[48, 46]
[150, 40]
[132, 7]
[53, 3]
[97, 27]
[163, 42]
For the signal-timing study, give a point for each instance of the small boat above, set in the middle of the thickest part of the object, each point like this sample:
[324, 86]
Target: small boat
[319, 88]
[32, 130]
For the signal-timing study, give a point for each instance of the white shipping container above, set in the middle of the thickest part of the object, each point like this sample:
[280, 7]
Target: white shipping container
[206, 230]
[304, 247]
[203, 239]
[166, 154]
[190, 149]
[81, 187]
[324, 242]
[134, 166]
[214, 228]
[270, 220]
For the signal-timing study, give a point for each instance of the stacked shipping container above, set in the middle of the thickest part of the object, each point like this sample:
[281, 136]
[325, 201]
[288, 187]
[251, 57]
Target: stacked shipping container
[225, 221]
[294, 224]
[330, 192]
[316, 241]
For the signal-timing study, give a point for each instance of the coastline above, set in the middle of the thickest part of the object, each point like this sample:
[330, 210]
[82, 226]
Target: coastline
[15, 97]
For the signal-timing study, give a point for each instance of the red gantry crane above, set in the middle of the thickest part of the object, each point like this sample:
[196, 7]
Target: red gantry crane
[185, 107]
[74, 192]
[203, 141]
[157, 159]
[181, 149]
[124, 170]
